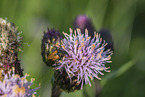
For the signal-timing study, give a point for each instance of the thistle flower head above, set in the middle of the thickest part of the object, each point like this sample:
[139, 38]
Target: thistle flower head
[12, 85]
[9, 37]
[85, 58]
[48, 51]
[10, 44]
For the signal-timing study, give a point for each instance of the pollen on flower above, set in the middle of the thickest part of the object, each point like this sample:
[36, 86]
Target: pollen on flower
[12, 85]
[16, 76]
[53, 56]
[57, 44]
[23, 79]
[85, 57]
[17, 90]
[32, 79]
[93, 47]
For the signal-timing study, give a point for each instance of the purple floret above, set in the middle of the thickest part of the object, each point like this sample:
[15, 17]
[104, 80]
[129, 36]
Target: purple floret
[85, 57]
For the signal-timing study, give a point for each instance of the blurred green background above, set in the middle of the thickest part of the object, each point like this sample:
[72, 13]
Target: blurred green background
[124, 18]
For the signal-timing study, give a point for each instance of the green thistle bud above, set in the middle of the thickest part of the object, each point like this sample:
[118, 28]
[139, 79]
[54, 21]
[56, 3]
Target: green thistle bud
[48, 47]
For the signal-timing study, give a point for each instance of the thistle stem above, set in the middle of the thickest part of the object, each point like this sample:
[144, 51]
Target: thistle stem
[56, 91]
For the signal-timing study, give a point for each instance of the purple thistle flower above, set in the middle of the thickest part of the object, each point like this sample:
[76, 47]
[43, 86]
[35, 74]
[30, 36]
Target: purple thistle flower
[85, 58]
[12, 85]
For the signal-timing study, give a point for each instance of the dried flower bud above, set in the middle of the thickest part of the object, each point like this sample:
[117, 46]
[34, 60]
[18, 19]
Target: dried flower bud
[85, 59]
[10, 39]
[48, 47]
[10, 44]
[12, 85]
